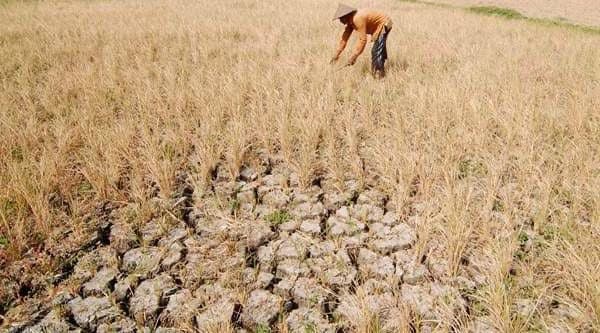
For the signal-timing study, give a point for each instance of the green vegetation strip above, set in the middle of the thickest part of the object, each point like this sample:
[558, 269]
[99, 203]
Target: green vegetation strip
[497, 11]
[512, 15]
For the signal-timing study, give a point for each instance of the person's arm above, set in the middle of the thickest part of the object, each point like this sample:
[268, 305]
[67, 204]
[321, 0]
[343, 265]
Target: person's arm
[360, 44]
[343, 42]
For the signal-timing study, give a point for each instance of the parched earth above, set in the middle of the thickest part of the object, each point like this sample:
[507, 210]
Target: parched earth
[258, 253]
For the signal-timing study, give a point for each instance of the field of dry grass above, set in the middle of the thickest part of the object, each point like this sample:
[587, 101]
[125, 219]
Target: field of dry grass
[585, 12]
[485, 131]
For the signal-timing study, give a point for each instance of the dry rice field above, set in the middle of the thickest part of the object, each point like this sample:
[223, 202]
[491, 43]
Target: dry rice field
[200, 166]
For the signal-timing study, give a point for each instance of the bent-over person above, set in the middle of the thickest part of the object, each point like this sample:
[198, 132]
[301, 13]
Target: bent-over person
[365, 22]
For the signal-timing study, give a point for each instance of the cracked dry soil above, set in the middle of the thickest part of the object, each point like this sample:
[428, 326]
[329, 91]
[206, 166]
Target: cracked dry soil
[257, 254]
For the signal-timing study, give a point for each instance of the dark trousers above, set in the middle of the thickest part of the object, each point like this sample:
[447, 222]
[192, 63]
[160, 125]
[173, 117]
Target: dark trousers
[379, 53]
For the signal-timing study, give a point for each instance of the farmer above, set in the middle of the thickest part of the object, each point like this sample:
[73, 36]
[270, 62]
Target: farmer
[365, 22]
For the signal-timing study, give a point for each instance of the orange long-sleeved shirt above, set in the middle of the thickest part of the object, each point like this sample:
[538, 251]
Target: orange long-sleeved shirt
[365, 22]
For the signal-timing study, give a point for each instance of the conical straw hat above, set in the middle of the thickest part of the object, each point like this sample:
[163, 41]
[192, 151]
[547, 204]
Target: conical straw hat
[343, 10]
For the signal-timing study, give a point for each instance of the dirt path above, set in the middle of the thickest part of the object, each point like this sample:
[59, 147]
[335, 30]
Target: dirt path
[585, 12]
